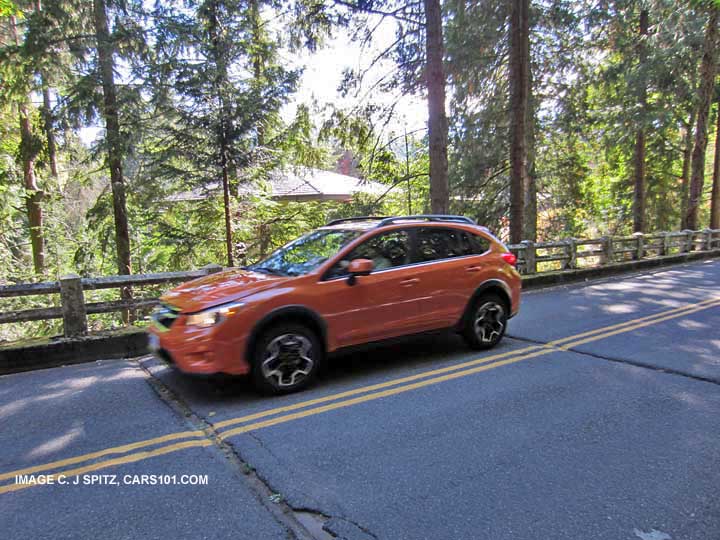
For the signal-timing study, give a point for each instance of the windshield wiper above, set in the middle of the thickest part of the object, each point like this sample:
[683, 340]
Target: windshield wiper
[266, 270]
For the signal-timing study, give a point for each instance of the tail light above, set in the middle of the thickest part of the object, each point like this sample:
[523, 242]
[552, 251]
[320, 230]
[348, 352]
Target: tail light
[509, 258]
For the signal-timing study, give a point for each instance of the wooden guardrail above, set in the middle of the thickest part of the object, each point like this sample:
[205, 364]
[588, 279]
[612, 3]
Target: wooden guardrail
[533, 258]
[73, 309]
[571, 253]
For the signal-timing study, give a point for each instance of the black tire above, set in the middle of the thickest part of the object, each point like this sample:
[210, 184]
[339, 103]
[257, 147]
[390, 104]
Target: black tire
[296, 348]
[485, 322]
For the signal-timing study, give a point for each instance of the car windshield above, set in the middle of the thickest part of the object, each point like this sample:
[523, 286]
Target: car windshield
[306, 253]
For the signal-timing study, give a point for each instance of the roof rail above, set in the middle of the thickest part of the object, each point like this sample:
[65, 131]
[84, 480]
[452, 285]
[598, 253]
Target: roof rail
[427, 217]
[359, 218]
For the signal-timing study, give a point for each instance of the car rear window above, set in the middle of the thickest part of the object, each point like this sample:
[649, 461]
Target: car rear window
[434, 244]
[475, 244]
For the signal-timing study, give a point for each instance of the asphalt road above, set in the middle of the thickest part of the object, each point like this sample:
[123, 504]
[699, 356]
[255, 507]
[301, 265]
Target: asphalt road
[597, 418]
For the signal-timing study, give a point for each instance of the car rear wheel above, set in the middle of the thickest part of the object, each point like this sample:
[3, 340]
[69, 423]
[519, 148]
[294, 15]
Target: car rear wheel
[287, 358]
[486, 322]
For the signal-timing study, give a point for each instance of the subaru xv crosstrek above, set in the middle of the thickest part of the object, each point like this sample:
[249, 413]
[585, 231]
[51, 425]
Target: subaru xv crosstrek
[351, 282]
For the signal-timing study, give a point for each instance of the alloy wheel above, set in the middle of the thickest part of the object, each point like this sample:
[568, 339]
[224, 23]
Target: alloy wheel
[489, 322]
[288, 360]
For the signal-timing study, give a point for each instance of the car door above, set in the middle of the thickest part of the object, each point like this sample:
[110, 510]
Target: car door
[384, 304]
[449, 266]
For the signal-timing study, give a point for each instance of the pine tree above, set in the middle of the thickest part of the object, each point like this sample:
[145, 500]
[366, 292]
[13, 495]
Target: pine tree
[419, 53]
[687, 140]
[437, 119]
[519, 109]
[715, 193]
[640, 188]
[705, 94]
[29, 145]
[105, 52]
[223, 93]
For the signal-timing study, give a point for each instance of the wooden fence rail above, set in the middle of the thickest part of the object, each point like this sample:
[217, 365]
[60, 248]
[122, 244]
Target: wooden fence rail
[609, 250]
[73, 309]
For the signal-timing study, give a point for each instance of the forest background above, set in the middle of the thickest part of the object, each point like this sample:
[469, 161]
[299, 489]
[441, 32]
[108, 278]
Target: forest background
[541, 119]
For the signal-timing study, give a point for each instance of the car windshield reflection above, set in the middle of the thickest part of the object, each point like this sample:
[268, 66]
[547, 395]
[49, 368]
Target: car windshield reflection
[306, 253]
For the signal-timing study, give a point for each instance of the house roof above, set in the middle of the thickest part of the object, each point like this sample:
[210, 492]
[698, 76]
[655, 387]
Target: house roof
[296, 184]
[303, 183]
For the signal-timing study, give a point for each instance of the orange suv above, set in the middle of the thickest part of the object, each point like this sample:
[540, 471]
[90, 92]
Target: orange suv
[351, 282]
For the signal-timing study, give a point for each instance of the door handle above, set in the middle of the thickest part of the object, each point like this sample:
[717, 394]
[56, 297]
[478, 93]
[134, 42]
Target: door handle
[473, 268]
[409, 282]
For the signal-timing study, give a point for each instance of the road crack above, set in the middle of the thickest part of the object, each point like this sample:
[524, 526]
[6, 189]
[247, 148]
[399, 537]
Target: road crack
[347, 529]
[635, 363]
[279, 509]
[302, 523]
[528, 340]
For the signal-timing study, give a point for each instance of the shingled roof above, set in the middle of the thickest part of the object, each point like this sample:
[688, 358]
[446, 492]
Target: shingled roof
[306, 184]
[296, 184]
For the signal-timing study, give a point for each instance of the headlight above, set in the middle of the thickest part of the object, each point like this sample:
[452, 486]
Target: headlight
[211, 317]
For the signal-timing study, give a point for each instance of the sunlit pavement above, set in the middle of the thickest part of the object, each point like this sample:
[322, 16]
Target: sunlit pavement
[612, 434]
[58, 413]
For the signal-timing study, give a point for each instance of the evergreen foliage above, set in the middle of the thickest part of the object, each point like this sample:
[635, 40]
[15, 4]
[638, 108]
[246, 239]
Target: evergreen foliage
[204, 96]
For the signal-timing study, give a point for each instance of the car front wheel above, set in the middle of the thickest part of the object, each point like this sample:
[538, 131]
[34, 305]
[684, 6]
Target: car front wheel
[486, 322]
[286, 359]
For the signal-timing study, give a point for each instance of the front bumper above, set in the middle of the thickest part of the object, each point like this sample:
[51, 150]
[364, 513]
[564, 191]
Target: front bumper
[199, 351]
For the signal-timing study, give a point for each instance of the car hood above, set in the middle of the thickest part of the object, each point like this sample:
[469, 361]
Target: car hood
[219, 288]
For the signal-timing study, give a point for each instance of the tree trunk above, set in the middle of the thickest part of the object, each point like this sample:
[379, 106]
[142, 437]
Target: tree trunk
[530, 201]
[114, 142]
[48, 127]
[218, 51]
[639, 190]
[407, 174]
[530, 190]
[705, 95]
[437, 119]
[519, 104]
[258, 60]
[47, 115]
[33, 194]
[715, 197]
[640, 187]
[685, 179]
[226, 204]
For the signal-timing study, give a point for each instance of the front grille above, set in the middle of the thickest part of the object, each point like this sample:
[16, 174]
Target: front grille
[165, 315]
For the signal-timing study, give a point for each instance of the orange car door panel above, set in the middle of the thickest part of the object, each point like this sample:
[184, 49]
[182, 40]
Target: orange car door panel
[386, 303]
[378, 306]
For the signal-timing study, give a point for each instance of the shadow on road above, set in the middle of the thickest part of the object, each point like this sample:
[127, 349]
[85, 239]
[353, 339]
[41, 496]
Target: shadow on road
[369, 365]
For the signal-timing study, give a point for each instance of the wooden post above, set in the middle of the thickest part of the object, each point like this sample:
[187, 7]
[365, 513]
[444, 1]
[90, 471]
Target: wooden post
[639, 246]
[608, 251]
[707, 246]
[665, 245]
[73, 306]
[687, 248]
[530, 257]
[571, 251]
[212, 268]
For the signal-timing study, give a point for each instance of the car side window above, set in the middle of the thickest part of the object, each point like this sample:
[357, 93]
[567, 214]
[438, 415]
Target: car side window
[467, 244]
[435, 244]
[385, 250]
[474, 244]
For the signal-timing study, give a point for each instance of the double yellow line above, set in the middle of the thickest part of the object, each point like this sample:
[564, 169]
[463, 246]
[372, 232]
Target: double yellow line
[303, 409]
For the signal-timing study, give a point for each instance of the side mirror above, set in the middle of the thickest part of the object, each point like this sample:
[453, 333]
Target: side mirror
[359, 267]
